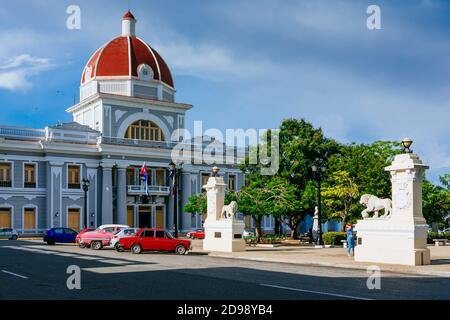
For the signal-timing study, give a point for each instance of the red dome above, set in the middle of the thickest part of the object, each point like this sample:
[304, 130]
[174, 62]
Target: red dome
[122, 53]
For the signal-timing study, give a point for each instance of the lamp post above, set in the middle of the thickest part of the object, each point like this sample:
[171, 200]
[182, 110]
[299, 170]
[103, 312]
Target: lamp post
[318, 168]
[406, 143]
[85, 185]
[174, 172]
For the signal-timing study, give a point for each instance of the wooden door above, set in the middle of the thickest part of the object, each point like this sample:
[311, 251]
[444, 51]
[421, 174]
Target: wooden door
[145, 217]
[73, 219]
[159, 217]
[130, 216]
[29, 218]
[5, 218]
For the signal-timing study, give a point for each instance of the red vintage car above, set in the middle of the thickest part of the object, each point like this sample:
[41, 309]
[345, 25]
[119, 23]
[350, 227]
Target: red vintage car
[196, 234]
[147, 239]
[78, 238]
[101, 237]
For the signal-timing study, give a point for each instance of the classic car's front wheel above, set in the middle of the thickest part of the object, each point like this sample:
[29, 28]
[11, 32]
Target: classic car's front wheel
[136, 248]
[96, 245]
[180, 249]
[118, 247]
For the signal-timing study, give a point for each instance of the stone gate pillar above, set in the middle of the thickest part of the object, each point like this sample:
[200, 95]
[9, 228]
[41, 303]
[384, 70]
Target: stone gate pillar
[400, 238]
[222, 233]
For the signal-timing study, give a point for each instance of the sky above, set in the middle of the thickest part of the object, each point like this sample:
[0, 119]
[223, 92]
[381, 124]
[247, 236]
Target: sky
[251, 64]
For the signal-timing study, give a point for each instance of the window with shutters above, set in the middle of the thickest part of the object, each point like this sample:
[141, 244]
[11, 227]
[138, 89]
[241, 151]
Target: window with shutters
[160, 177]
[5, 175]
[73, 176]
[231, 183]
[29, 179]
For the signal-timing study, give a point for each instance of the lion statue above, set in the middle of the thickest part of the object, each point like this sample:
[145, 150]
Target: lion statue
[229, 211]
[375, 204]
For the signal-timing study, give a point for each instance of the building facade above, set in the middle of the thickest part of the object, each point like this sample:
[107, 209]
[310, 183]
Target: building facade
[126, 116]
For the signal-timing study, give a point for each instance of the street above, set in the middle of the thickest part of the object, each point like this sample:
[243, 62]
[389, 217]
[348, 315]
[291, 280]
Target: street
[33, 270]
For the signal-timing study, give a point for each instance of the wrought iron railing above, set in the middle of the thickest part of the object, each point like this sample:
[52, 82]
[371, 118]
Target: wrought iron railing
[141, 190]
[5, 184]
[29, 184]
[74, 186]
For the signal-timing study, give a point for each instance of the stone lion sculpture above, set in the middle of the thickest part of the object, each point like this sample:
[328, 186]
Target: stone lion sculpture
[375, 204]
[229, 211]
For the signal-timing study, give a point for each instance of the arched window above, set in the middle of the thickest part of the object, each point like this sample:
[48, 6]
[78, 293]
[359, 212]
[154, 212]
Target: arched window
[144, 130]
[145, 72]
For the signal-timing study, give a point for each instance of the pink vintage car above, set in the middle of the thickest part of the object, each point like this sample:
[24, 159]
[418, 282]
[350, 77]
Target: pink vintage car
[101, 237]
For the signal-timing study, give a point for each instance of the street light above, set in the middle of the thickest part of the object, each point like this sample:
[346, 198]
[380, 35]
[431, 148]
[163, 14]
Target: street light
[174, 172]
[406, 143]
[318, 170]
[215, 171]
[85, 185]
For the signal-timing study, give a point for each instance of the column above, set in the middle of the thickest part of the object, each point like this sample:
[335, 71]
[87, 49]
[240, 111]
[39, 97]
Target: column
[121, 195]
[107, 205]
[92, 170]
[54, 189]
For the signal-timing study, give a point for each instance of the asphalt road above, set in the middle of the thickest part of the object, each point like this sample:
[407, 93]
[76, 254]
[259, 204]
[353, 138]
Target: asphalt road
[33, 270]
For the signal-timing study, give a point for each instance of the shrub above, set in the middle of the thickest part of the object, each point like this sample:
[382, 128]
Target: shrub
[436, 235]
[335, 237]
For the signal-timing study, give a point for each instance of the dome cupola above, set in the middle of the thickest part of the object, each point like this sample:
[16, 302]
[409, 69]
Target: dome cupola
[128, 62]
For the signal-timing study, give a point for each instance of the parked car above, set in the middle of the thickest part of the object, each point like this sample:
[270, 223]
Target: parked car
[78, 238]
[101, 237]
[155, 239]
[60, 235]
[196, 234]
[8, 233]
[129, 232]
[248, 233]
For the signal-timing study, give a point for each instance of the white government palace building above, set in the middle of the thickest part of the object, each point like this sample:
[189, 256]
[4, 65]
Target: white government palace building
[126, 116]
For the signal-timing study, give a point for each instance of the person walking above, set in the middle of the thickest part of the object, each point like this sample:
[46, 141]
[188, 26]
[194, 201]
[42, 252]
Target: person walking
[350, 239]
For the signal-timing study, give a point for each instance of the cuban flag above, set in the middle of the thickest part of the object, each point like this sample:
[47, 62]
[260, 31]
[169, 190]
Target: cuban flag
[144, 176]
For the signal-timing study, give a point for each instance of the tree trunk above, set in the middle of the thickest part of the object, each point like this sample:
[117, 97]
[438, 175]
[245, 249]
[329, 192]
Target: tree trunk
[294, 229]
[344, 221]
[277, 226]
[258, 231]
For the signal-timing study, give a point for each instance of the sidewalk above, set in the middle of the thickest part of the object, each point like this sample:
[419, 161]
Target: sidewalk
[334, 257]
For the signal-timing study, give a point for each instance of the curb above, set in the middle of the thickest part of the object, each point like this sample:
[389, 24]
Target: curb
[431, 273]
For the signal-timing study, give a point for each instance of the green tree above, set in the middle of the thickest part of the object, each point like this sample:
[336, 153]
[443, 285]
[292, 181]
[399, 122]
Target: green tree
[196, 204]
[254, 200]
[340, 196]
[435, 201]
[355, 170]
[301, 145]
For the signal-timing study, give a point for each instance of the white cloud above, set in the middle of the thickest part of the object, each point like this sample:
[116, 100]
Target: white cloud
[16, 73]
[211, 62]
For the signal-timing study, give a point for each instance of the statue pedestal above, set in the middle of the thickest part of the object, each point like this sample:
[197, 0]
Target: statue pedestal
[222, 233]
[400, 238]
[383, 242]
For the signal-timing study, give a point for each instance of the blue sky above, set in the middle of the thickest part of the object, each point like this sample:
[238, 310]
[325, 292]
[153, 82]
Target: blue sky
[251, 64]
